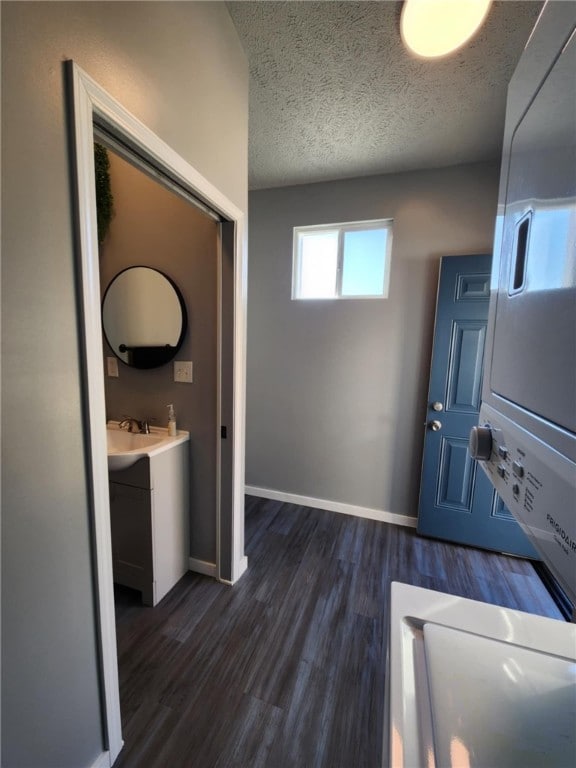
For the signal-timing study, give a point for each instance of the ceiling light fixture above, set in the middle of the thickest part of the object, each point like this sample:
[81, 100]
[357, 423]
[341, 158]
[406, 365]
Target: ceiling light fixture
[434, 28]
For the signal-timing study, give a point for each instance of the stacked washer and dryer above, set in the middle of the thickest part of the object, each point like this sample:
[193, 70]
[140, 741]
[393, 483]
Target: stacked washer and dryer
[471, 684]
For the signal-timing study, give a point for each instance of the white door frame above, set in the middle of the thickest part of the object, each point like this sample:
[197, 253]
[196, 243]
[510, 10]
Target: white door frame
[91, 104]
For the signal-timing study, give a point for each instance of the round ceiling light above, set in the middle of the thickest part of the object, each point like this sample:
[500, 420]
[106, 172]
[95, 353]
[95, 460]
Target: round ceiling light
[434, 28]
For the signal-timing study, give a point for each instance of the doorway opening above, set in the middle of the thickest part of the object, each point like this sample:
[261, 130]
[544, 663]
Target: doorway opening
[94, 112]
[159, 245]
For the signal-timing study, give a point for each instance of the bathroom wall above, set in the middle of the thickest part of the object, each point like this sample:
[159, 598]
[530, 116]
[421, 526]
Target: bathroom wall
[336, 390]
[179, 67]
[154, 227]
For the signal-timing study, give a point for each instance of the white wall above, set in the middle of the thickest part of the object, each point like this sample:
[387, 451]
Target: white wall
[337, 389]
[178, 67]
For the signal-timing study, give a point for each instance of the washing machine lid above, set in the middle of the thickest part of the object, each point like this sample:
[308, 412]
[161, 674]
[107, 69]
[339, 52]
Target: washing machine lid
[494, 703]
[447, 659]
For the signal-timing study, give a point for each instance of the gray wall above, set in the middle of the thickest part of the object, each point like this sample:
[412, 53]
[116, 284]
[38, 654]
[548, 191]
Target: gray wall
[178, 67]
[337, 389]
[154, 227]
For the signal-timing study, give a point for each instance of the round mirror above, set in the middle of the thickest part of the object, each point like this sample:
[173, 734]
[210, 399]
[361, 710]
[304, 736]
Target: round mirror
[144, 317]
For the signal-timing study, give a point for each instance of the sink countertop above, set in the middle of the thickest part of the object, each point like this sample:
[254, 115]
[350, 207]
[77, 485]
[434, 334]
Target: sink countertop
[126, 448]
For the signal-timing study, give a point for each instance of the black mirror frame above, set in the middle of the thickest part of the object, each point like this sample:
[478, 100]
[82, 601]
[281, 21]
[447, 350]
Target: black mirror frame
[155, 357]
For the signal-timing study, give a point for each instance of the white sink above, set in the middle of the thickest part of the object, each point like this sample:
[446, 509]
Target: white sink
[126, 448]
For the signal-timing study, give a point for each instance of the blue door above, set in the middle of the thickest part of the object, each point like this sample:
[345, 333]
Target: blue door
[457, 502]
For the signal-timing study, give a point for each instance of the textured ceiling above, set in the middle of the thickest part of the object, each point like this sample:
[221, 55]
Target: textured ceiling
[334, 94]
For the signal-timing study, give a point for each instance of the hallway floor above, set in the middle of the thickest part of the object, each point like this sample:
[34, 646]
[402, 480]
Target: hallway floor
[286, 668]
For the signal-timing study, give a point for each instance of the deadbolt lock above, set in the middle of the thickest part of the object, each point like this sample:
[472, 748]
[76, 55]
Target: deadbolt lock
[437, 406]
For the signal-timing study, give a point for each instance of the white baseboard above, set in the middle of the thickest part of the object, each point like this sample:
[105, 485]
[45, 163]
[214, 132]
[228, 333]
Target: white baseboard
[333, 506]
[104, 760]
[209, 569]
[202, 566]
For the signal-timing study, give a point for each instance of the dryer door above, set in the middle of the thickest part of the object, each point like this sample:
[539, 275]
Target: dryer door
[534, 352]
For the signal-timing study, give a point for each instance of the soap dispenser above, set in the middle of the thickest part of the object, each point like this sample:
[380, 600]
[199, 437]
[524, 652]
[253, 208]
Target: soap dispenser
[171, 421]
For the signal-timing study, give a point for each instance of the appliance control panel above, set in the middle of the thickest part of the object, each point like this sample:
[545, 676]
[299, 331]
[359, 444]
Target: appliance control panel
[537, 484]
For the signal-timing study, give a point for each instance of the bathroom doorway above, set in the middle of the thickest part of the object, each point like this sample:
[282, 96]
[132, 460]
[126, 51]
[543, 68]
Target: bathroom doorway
[158, 226]
[93, 112]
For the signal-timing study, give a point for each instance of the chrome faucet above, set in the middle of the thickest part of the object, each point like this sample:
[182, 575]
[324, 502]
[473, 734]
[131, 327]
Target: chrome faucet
[134, 425]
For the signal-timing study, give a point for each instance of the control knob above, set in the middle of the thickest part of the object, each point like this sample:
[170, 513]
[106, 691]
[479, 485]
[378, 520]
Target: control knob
[480, 443]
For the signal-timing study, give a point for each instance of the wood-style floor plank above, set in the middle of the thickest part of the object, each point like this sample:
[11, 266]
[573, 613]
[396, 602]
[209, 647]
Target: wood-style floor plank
[286, 668]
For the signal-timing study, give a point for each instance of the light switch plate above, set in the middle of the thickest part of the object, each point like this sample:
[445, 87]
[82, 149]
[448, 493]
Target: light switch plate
[183, 371]
[112, 366]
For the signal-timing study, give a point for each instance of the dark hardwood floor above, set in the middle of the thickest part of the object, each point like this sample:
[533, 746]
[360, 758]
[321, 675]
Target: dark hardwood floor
[286, 668]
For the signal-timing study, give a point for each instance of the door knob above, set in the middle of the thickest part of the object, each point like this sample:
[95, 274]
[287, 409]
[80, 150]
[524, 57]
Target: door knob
[437, 406]
[435, 425]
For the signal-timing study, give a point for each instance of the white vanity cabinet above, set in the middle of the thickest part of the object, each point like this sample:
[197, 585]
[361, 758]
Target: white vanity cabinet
[149, 510]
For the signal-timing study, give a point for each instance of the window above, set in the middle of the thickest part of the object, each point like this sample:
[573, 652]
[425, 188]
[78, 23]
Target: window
[342, 261]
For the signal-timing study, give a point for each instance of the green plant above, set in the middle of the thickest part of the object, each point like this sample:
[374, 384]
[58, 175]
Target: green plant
[104, 196]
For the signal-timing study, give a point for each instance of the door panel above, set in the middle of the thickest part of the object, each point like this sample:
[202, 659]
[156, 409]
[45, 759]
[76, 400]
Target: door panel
[499, 509]
[465, 366]
[455, 475]
[457, 503]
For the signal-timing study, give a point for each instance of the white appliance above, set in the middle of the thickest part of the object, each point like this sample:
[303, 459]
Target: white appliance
[526, 440]
[471, 684]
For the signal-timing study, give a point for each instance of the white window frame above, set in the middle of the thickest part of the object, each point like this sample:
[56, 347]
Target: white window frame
[340, 229]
